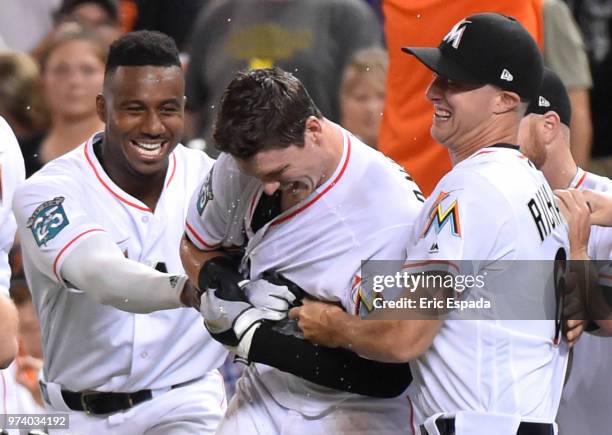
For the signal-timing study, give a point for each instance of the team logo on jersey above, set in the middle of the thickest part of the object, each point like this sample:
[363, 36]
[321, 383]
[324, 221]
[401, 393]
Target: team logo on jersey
[48, 220]
[206, 192]
[456, 33]
[440, 216]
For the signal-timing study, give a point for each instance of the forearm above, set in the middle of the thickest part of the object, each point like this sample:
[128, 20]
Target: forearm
[384, 340]
[8, 331]
[98, 268]
[193, 259]
[335, 368]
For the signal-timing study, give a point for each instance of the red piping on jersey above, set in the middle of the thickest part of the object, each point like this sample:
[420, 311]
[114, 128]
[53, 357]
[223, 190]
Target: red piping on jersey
[173, 170]
[200, 239]
[424, 263]
[412, 426]
[323, 192]
[581, 180]
[253, 205]
[139, 207]
[67, 246]
[484, 152]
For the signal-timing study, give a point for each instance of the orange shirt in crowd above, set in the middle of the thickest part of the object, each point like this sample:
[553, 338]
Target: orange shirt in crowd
[404, 132]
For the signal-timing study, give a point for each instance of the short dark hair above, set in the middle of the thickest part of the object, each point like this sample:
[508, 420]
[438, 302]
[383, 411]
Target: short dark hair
[68, 6]
[262, 109]
[142, 48]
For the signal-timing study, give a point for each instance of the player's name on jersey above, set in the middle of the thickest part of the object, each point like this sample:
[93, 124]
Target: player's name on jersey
[544, 211]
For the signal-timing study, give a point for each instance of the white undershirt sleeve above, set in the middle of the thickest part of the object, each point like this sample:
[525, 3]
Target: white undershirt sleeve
[98, 268]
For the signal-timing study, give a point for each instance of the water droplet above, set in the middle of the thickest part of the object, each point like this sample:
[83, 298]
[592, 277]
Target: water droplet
[35, 155]
[229, 20]
[212, 107]
[295, 70]
[418, 15]
[381, 114]
[368, 68]
[126, 300]
[28, 107]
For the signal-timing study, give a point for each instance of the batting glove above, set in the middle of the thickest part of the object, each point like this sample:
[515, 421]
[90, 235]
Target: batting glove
[274, 292]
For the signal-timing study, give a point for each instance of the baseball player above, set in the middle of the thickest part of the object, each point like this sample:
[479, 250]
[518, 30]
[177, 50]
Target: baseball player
[309, 201]
[12, 174]
[474, 375]
[100, 230]
[544, 134]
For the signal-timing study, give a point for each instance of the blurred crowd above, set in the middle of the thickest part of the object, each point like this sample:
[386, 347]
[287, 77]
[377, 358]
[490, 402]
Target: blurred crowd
[346, 52]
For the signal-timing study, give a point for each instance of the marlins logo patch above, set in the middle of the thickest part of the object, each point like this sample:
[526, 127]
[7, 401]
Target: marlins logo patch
[441, 214]
[48, 220]
[206, 192]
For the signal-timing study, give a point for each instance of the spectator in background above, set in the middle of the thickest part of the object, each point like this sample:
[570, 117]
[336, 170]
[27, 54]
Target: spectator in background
[72, 68]
[565, 54]
[101, 16]
[175, 18]
[595, 20]
[362, 94]
[313, 39]
[20, 98]
[404, 134]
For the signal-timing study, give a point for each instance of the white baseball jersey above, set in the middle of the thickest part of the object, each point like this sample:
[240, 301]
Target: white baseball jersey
[12, 174]
[587, 396]
[365, 210]
[87, 345]
[493, 209]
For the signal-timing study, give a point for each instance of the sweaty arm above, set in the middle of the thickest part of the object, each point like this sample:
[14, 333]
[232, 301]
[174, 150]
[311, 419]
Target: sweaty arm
[98, 267]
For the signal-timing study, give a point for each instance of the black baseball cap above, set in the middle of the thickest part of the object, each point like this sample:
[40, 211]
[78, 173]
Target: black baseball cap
[552, 97]
[487, 48]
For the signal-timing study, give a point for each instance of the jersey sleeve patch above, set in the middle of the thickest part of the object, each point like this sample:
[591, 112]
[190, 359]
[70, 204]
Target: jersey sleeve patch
[443, 212]
[206, 192]
[48, 220]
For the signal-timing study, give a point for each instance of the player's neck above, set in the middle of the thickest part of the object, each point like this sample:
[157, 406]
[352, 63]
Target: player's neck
[145, 188]
[559, 167]
[500, 132]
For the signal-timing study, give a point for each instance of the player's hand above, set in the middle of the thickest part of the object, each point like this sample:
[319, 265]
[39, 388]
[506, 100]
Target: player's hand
[574, 207]
[231, 319]
[601, 207]
[274, 292]
[574, 310]
[315, 320]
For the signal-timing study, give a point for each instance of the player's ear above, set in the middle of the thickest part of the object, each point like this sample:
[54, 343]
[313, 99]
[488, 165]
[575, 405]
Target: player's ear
[506, 101]
[314, 129]
[101, 107]
[551, 125]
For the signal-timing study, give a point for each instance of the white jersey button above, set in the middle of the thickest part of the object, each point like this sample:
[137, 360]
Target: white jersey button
[144, 354]
[145, 219]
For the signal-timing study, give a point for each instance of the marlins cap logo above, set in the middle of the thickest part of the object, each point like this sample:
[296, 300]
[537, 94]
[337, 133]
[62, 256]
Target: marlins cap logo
[456, 33]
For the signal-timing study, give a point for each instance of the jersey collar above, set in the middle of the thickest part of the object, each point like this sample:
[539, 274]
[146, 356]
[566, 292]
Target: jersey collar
[578, 179]
[109, 185]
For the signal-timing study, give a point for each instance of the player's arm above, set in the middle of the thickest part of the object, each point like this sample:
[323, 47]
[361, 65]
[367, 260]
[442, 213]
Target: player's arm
[336, 368]
[8, 331]
[98, 267]
[383, 340]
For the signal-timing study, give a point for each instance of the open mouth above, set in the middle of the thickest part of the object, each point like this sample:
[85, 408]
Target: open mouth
[149, 150]
[441, 114]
